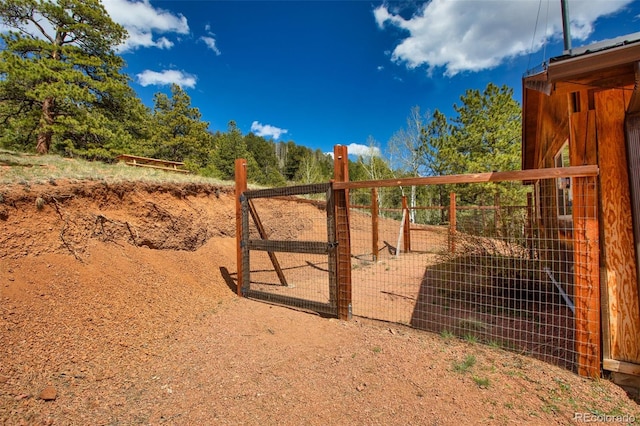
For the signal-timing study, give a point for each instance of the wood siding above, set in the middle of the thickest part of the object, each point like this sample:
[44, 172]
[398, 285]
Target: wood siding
[617, 246]
[554, 130]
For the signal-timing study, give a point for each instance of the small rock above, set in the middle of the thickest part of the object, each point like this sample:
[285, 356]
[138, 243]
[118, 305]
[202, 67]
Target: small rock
[49, 393]
[361, 387]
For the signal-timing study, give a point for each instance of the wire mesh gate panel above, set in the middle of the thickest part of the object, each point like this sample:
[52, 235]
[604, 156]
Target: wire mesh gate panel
[289, 247]
[518, 270]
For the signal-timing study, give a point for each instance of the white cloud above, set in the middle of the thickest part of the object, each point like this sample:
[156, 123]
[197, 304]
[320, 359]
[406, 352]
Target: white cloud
[211, 44]
[360, 150]
[166, 77]
[476, 35]
[363, 150]
[142, 21]
[164, 43]
[267, 130]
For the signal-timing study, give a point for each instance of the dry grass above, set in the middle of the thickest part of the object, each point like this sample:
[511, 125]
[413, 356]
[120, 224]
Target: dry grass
[29, 168]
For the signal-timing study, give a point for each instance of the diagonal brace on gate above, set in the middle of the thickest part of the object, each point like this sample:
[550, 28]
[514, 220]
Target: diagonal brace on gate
[264, 236]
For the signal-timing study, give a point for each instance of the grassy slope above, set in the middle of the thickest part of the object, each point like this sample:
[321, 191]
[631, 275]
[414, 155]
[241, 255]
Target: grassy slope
[20, 168]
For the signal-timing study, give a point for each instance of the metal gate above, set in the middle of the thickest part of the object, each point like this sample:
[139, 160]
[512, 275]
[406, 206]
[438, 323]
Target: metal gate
[296, 271]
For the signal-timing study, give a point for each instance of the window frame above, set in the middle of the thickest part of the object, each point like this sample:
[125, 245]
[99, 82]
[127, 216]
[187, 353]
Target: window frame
[564, 186]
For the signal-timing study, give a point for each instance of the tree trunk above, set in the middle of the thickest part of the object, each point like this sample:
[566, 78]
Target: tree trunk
[443, 212]
[45, 134]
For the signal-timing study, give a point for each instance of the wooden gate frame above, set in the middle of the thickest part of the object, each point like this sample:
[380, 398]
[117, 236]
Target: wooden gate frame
[245, 209]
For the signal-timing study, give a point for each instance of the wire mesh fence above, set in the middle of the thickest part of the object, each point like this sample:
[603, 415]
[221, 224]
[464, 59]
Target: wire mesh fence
[506, 263]
[291, 247]
[496, 263]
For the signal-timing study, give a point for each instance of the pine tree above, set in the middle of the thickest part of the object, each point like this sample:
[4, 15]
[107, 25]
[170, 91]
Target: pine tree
[178, 132]
[487, 130]
[230, 146]
[60, 80]
[264, 153]
[486, 136]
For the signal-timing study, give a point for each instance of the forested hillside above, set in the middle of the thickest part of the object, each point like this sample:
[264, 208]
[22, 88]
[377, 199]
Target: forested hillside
[63, 91]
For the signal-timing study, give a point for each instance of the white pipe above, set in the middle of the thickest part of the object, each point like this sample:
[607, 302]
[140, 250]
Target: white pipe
[564, 295]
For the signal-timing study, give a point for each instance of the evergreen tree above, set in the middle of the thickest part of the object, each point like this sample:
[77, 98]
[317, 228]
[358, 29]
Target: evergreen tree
[294, 155]
[487, 130]
[439, 156]
[438, 152]
[60, 80]
[178, 132]
[487, 137]
[325, 163]
[230, 146]
[264, 153]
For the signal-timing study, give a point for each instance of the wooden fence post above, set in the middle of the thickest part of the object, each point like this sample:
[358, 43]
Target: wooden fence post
[374, 223]
[586, 246]
[587, 276]
[452, 222]
[343, 267]
[497, 215]
[407, 226]
[241, 186]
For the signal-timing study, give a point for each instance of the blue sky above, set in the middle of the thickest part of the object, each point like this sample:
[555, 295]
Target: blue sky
[322, 73]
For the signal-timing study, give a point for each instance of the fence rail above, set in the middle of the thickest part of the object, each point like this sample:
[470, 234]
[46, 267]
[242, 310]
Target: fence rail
[516, 175]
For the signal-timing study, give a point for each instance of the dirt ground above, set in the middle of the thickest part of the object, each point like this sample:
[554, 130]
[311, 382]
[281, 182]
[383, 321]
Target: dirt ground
[117, 307]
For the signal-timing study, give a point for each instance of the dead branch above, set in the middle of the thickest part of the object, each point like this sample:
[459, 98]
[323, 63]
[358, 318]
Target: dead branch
[102, 219]
[56, 204]
[66, 244]
[133, 237]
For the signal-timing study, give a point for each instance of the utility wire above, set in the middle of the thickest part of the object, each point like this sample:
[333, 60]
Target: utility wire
[533, 39]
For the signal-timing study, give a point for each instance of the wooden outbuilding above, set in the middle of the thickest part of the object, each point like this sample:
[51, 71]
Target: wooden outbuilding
[586, 104]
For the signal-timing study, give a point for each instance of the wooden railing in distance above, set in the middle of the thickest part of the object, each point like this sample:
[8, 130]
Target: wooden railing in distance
[154, 163]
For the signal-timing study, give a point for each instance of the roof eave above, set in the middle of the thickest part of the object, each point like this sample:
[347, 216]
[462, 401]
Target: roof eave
[584, 64]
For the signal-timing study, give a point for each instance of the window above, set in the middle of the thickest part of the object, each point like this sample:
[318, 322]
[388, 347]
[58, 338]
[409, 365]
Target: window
[563, 185]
